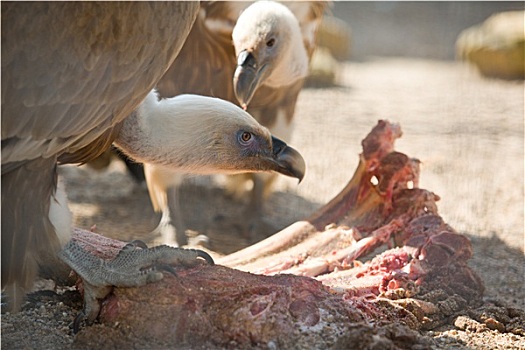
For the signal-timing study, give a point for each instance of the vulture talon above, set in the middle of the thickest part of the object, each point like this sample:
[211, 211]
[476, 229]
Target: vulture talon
[134, 245]
[139, 244]
[78, 320]
[130, 268]
[205, 256]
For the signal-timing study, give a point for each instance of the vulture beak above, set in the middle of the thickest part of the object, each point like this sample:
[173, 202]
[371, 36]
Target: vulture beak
[287, 160]
[247, 78]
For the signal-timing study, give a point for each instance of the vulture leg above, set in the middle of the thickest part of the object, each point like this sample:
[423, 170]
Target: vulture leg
[253, 225]
[135, 265]
[258, 195]
[171, 228]
[176, 217]
[259, 228]
[163, 187]
[92, 295]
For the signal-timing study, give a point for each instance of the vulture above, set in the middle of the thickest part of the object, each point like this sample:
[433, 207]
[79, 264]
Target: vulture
[79, 77]
[253, 54]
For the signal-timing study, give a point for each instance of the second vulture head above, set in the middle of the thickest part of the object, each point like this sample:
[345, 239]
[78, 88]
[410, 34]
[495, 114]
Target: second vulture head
[269, 48]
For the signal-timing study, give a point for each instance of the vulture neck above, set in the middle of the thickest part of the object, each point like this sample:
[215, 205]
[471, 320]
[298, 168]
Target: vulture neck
[173, 132]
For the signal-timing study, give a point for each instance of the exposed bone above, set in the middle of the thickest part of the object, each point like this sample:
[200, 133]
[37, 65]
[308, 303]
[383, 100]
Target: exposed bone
[418, 284]
[361, 205]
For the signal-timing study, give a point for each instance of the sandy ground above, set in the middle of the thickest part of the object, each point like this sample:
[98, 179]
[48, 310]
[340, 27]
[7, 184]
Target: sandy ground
[467, 131]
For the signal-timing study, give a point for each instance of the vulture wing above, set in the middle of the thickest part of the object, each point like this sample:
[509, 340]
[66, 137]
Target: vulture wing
[206, 62]
[71, 72]
[309, 16]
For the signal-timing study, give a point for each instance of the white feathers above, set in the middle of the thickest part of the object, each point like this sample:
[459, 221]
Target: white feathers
[159, 180]
[266, 20]
[179, 132]
[171, 112]
[59, 214]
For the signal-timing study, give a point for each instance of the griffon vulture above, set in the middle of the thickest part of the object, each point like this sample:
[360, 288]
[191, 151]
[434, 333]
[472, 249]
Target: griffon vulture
[77, 77]
[262, 69]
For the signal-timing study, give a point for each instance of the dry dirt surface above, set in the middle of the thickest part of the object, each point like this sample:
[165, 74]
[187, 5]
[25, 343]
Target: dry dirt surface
[468, 132]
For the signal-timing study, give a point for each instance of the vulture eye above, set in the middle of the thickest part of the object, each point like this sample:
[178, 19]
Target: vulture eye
[270, 42]
[245, 137]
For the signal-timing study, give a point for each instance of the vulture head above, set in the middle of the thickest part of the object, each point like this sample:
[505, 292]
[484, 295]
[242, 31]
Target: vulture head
[205, 135]
[269, 48]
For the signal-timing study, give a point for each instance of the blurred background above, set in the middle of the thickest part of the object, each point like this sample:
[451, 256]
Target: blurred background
[425, 29]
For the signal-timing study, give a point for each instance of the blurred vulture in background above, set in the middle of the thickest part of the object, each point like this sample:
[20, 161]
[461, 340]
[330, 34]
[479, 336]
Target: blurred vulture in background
[77, 77]
[253, 54]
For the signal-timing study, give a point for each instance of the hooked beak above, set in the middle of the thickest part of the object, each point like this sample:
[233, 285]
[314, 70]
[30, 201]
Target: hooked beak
[288, 161]
[247, 77]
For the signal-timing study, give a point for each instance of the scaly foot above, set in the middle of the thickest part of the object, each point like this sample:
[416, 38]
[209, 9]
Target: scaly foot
[135, 265]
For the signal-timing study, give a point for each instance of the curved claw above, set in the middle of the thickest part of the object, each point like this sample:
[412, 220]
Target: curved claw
[76, 323]
[200, 254]
[139, 244]
[133, 245]
[205, 256]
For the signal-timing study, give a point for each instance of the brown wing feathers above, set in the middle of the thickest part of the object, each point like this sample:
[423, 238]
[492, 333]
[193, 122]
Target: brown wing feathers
[70, 73]
[206, 62]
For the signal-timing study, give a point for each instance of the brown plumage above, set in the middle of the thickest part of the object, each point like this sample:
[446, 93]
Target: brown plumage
[207, 65]
[71, 72]
[207, 59]
[60, 61]
[74, 80]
